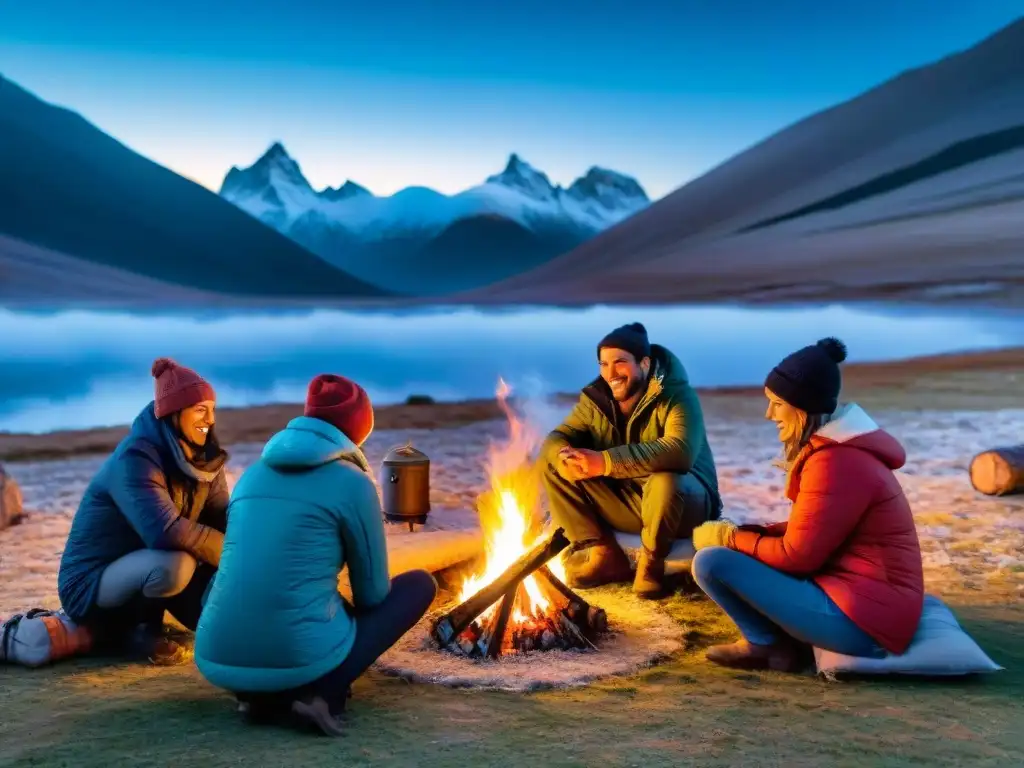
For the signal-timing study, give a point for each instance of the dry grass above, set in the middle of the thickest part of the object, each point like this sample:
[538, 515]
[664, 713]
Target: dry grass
[679, 713]
[969, 381]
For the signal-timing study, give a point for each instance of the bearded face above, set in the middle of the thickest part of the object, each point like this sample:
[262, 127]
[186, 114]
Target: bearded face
[624, 374]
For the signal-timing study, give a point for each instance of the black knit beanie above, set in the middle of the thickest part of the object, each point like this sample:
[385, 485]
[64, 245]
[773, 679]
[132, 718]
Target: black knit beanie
[809, 379]
[632, 338]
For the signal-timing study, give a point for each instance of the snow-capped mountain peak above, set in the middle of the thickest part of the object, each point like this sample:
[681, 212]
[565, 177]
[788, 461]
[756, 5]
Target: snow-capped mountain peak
[522, 176]
[274, 168]
[610, 188]
[347, 190]
[275, 190]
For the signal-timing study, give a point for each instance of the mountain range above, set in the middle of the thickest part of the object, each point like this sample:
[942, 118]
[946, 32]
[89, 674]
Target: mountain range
[81, 209]
[913, 190]
[420, 241]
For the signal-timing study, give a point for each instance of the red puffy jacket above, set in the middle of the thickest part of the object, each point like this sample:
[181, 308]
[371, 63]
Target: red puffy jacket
[850, 529]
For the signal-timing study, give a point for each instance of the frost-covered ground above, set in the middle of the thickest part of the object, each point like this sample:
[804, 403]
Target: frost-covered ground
[968, 539]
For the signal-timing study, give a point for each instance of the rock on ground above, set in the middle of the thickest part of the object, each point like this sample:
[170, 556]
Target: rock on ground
[11, 510]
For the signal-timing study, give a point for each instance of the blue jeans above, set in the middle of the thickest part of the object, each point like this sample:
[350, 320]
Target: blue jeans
[767, 604]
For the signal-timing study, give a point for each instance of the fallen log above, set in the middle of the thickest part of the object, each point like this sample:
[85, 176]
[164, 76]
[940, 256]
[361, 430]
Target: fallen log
[999, 471]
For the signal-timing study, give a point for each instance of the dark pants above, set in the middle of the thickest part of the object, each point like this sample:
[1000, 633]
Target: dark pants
[140, 587]
[377, 629]
[661, 507]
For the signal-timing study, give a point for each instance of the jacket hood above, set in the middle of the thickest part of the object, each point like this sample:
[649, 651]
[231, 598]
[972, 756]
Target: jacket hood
[307, 443]
[147, 428]
[852, 426]
[669, 367]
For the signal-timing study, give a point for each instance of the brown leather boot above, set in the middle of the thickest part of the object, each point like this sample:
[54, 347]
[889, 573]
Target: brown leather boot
[779, 656]
[649, 582]
[596, 564]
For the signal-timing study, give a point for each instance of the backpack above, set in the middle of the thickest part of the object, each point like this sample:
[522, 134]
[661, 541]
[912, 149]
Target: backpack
[40, 637]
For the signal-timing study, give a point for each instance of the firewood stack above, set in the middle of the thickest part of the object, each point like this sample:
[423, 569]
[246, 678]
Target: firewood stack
[569, 621]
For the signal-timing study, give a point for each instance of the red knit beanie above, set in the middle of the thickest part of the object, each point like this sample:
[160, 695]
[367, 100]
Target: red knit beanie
[177, 387]
[341, 403]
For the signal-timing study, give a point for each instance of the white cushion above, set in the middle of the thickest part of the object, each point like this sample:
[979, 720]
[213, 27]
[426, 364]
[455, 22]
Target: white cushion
[940, 647]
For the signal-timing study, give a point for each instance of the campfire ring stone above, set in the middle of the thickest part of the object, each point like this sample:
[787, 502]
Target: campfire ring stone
[640, 635]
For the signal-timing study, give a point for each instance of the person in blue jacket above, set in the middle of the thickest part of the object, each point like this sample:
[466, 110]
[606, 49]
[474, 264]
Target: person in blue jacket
[148, 532]
[275, 631]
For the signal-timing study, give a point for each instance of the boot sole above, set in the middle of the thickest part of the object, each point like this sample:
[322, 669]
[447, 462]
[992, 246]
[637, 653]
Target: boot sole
[574, 583]
[757, 664]
[660, 594]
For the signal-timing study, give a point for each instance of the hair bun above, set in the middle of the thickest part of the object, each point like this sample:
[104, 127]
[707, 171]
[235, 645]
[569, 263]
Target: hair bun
[162, 364]
[834, 348]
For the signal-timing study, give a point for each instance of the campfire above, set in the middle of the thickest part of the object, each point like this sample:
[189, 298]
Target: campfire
[519, 601]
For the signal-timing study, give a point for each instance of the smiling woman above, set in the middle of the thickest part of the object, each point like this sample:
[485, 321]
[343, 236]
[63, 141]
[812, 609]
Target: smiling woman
[845, 571]
[148, 533]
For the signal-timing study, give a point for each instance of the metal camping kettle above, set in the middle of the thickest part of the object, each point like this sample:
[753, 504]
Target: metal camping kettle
[405, 485]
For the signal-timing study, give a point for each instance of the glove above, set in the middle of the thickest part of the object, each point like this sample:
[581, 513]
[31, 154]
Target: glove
[715, 533]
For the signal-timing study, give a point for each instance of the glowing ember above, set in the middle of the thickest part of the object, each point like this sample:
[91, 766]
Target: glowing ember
[510, 515]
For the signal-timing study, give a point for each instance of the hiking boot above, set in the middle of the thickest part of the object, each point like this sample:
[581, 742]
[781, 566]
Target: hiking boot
[595, 564]
[649, 582]
[151, 644]
[780, 656]
[314, 712]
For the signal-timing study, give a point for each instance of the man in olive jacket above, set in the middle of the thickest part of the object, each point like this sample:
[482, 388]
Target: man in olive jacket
[632, 456]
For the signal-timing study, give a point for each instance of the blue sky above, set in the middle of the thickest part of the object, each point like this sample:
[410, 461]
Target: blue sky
[393, 94]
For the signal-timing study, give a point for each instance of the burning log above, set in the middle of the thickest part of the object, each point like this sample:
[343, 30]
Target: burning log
[579, 610]
[497, 629]
[458, 619]
[568, 622]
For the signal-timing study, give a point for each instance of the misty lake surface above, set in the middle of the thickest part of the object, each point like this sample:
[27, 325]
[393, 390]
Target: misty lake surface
[79, 369]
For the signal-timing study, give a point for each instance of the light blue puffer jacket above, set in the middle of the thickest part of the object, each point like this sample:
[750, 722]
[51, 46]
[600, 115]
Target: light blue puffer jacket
[274, 619]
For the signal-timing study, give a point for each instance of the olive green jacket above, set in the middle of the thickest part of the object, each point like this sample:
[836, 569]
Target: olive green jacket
[665, 432]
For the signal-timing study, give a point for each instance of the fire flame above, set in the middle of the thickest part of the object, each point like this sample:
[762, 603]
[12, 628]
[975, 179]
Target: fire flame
[510, 514]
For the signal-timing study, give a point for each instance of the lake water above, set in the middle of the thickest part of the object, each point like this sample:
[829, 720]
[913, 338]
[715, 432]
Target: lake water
[81, 369]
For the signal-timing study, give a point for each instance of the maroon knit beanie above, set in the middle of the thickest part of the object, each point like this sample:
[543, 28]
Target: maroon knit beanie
[177, 387]
[341, 403]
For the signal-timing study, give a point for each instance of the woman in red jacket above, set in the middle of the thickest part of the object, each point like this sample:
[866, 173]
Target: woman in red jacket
[844, 571]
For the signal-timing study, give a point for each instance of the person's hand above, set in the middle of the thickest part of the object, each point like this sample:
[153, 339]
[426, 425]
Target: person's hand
[568, 470]
[587, 463]
[714, 533]
[568, 466]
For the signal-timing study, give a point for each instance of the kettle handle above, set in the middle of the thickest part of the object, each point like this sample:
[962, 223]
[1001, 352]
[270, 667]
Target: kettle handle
[406, 449]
